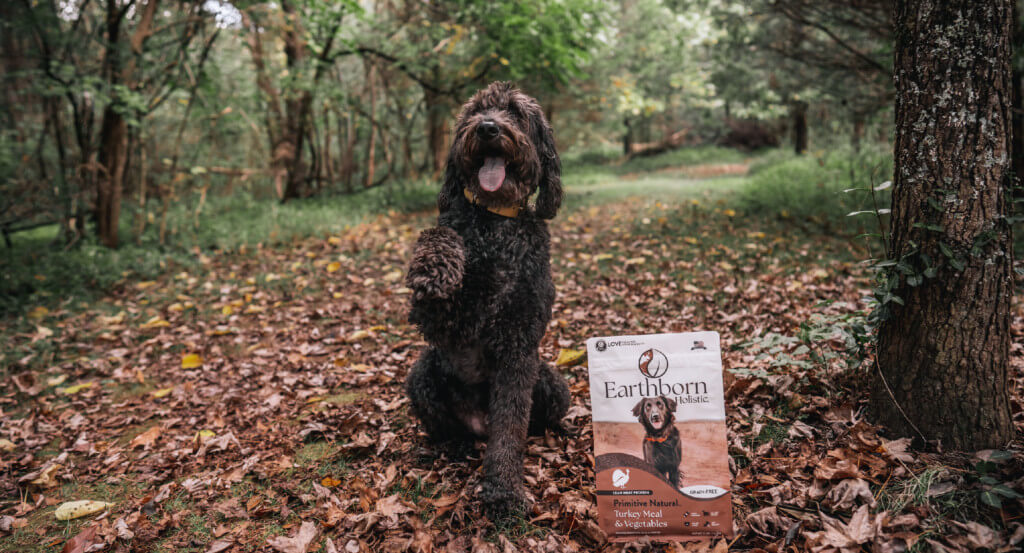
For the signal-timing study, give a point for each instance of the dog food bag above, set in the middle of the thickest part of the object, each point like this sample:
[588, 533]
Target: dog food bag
[660, 446]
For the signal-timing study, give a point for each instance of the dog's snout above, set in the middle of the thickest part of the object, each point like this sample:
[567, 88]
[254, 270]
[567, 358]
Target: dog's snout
[487, 129]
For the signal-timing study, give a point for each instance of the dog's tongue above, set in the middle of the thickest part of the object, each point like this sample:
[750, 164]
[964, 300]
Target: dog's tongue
[492, 174]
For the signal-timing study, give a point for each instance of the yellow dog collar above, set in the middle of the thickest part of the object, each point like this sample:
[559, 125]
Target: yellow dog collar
[511, 211]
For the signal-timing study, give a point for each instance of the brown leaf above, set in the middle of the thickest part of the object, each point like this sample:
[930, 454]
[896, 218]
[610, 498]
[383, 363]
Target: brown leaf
[220, 545]
[146, 439]
[835, 534]
[768, 522]
[82, 541]
[300, 542]
[848, 493]
[8, 523]
[392, 506]
[978, 536]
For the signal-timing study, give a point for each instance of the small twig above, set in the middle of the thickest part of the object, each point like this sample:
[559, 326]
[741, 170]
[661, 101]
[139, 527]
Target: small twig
[897, 404]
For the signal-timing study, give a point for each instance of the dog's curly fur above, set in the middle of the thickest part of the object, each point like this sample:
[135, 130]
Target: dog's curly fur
[482, 296]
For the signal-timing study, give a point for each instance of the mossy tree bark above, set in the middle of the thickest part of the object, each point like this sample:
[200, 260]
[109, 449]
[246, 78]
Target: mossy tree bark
[943, 355]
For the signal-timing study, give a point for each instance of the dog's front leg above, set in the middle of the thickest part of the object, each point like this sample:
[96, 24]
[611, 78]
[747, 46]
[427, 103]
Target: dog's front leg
[511, 397]
[438, 264]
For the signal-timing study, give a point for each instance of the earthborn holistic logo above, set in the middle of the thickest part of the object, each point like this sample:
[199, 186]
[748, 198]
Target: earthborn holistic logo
[661, 460]
[653, 363]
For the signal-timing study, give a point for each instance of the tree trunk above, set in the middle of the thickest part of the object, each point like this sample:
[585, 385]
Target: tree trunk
[798, 110]
[113, 159]
[1018, 107]
[437, 131]
[858, 131]
[627, 138]
[943, 350]
[371, 150]
[348, 162]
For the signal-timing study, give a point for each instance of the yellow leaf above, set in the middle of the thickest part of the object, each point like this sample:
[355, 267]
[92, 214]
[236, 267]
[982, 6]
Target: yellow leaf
[191, 361]
[333, 267]
[503, 61]
[75, 509]
[111, 321]
[729, 212]
[74, 389]
[162, 392]
[6, 445]
[377, 328]
[146, 284]
[726, 265]
[603, 256]
[203, 435]
[393, 276]
[38, 312]
[337, 295]
[330, 482]
[334, 241]
[635, 261]
[691, 240]
[47, 477]
[691, 288]
[56, 380]
[820, 274]
[227, 310]
[358, 335]
[570, 357]
[155, 322]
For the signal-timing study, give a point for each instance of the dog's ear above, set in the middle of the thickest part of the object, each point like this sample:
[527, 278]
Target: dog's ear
[549, 199]
[638, 408]
[670, 403]
[451, 188]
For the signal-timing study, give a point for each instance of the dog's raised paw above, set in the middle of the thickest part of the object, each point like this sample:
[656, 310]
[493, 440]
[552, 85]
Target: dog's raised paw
[438, 264]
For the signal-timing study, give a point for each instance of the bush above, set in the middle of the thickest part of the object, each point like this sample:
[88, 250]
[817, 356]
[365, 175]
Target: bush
[811, 187]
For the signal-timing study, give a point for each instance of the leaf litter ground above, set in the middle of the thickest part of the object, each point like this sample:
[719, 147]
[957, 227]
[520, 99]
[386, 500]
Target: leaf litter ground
[256, 404]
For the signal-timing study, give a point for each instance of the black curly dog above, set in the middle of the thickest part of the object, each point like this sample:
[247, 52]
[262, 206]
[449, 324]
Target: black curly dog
[482, 293]
[662, 447]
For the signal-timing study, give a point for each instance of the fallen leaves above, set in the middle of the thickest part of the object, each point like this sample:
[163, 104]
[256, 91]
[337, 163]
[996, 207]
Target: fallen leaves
[82, 542]
[71, 390]
[77, 509]
[147, 438]
[300, 542]
[274, 395]
[570, 357]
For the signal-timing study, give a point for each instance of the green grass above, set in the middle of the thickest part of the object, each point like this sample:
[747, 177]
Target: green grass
[810, 188]
[959, 504]
[36, 272]
[27, 540]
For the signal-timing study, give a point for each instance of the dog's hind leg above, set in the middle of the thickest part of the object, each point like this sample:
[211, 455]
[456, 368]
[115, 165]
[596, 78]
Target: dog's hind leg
[550, 402]
[429, 388]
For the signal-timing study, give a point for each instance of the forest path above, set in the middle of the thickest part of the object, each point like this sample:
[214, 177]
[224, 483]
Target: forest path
[262, 395]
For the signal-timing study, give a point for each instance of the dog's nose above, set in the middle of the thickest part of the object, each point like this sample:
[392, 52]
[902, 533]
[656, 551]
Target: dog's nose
[487, 130]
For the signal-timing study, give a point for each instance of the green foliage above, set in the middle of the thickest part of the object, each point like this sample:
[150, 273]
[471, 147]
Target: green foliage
[824, 342]
[35, 272]
[811, 188]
